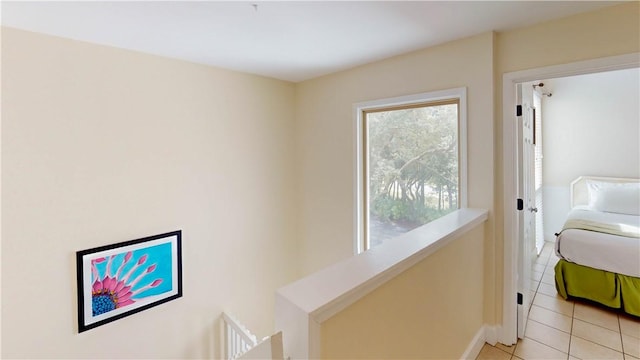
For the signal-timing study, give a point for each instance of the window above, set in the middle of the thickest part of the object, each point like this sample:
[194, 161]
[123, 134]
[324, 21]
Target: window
[411, 163]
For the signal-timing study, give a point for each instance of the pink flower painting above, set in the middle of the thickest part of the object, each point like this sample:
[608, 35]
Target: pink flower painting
[113, 289]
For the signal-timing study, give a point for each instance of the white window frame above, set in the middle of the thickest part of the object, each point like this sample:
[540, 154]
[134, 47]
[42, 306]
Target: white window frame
[358, 110]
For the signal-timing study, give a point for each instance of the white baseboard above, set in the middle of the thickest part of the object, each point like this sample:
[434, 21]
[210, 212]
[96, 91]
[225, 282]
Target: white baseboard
[475, 345]
[486, 333]
[491, 334]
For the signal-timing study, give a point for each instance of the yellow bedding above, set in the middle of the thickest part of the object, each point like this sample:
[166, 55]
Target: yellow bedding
[615, 229]
[607, 288]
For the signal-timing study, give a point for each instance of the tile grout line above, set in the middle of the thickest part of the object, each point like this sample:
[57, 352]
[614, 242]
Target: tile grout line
[597, 343]
[573, 314]
[515, 347]
[546, 268]
[604, 346]
[545, 345]
[553, 310]
[621, 339]
[549, 326]
[598, 325]
[511, 355]
[548, 345]
[573, 309]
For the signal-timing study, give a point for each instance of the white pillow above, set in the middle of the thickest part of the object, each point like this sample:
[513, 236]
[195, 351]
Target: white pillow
[622, 198]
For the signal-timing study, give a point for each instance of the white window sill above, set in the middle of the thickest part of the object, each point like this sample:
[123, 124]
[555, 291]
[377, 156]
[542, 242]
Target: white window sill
[328, 291]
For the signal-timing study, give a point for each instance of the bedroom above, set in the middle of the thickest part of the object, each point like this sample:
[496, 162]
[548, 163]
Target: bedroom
[591, 129]
[586, 125]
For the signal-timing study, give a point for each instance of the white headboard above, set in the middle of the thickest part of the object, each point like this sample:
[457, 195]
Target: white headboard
[579, 193]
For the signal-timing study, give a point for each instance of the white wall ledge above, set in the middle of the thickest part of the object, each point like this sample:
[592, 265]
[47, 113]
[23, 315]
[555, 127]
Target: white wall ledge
[302, 305]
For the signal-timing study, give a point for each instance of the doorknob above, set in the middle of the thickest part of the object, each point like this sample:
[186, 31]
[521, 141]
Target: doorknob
[535, 210]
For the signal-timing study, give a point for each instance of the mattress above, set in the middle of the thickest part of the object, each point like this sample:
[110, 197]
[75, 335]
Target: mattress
[614, 253]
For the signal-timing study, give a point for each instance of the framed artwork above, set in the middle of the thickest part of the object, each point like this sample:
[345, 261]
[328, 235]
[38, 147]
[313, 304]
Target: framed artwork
[122, 279]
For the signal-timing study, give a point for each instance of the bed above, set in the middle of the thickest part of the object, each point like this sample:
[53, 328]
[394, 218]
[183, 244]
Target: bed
[599, 245]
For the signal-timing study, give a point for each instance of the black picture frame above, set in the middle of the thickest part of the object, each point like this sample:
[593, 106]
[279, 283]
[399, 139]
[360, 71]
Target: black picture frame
[121, 279]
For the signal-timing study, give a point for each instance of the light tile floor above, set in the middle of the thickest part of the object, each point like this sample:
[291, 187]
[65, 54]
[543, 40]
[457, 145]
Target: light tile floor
[569, 330]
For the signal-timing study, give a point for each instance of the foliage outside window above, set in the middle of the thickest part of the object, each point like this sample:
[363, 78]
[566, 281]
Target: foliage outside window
[411, 167]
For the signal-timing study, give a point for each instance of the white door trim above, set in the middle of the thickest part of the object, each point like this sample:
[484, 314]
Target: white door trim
[508, 334]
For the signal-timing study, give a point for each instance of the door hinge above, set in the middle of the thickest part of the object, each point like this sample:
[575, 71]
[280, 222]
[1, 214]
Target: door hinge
[518, 110]
[520, 204]
[519, 299]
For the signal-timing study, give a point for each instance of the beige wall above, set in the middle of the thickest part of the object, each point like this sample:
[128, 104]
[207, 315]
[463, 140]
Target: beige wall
[436, 312]
[101, 145]
[325, 136]
[607, 32]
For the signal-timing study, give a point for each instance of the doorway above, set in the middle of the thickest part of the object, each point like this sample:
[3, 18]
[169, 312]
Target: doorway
[513, 266]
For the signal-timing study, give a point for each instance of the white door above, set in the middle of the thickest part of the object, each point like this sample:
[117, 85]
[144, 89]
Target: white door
[537, 105]
[526, 196]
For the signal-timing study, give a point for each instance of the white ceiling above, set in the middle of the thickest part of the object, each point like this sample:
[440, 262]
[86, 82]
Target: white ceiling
[287, 40]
